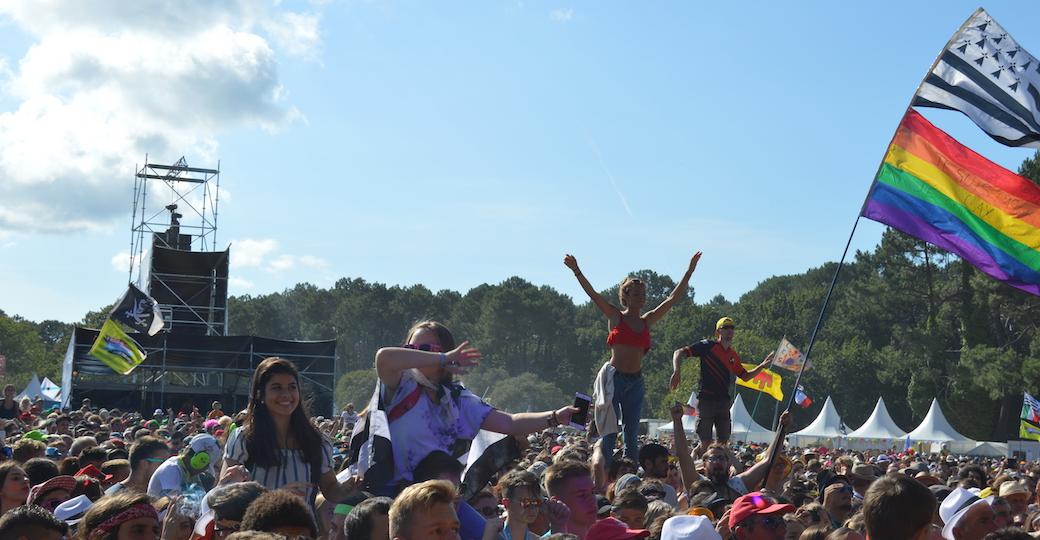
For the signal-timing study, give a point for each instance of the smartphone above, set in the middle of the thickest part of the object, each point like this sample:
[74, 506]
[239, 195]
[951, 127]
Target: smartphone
[580, 418]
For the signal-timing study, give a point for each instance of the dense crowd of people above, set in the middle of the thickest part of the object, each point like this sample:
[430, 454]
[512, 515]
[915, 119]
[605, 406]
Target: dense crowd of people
[402, 467]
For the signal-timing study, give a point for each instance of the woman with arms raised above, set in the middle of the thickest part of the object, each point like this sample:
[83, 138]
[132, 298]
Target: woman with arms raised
[619, 387]
[427, 410]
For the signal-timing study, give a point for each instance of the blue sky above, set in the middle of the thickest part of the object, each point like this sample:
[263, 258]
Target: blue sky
[453, 144]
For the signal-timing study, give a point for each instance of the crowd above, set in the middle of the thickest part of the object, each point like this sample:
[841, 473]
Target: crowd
[396, 468]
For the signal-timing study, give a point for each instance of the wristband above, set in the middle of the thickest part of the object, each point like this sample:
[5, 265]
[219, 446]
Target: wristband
[443, 360]
[555, 421]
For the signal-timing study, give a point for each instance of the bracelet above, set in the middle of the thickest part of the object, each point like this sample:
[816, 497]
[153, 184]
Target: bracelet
[553, 421]
[577, 273]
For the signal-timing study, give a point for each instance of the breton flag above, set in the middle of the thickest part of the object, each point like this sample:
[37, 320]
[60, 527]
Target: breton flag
[371, 450]
[138, 311]
[116, 349]
[788, 356]
[986, 75]
[487, 455]
[1029, 426]
[801, 398]
[934, 188]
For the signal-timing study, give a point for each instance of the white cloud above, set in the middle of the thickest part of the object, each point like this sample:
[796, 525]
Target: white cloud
[107, 81]
[251, 253]
[561, 14]
[121, 261]
[237, 284]
[289, 262]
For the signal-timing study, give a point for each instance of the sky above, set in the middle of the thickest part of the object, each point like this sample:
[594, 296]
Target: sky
[458, 143]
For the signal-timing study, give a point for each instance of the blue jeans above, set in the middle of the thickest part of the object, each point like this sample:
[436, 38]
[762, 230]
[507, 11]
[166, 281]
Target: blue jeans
[629, 391]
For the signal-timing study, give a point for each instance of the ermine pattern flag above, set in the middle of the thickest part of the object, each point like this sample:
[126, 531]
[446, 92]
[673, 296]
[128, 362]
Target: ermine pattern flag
[988, 76]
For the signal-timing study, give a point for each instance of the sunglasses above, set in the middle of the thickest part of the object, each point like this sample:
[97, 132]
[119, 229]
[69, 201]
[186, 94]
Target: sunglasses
[490, 511]
[528, 503]
[728, 327]
[425, 347]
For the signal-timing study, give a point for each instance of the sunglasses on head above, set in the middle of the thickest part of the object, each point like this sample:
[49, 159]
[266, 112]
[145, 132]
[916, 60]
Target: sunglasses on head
[728, 327]
[426, 347]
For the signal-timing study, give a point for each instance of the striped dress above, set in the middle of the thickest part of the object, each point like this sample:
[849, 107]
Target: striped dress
[294, 467]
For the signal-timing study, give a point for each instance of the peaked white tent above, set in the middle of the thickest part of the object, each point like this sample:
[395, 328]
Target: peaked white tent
[935, 428]
[46, 390]
[827, 427]
[744, 427]
[879, 427]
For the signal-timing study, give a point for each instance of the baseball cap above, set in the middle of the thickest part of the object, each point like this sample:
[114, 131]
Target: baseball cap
[725, 321]
[614, 529]
[93, 472]
[205, 443]
[35, 435]
[755, 504]
[626, 480]
[689, 528]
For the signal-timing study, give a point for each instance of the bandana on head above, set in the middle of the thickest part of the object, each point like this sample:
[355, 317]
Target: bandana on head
[64, 482]
[140, 510]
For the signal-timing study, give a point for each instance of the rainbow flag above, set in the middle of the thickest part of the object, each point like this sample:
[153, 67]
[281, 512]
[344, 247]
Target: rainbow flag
[938, 190]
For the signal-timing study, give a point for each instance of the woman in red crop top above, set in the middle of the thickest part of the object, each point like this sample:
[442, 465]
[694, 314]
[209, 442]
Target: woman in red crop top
[629, 341]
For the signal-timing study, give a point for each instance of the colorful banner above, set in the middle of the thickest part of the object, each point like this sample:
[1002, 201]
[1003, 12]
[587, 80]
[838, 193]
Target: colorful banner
[788, 356]
[116, 349]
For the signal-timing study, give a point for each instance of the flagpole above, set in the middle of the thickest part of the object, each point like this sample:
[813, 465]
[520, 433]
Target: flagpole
[837, 271]
[841, 263]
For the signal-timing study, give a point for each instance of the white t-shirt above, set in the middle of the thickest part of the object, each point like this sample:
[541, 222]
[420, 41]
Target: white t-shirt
[294, 467]
[168, 479]
[424, 429]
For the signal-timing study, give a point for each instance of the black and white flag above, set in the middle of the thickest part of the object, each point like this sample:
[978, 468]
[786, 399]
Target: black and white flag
[986, 75]
[138, 311]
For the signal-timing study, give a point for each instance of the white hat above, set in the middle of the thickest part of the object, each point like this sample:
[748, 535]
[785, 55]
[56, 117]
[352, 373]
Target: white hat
[954, 507]
[72, 510]
[689, 528]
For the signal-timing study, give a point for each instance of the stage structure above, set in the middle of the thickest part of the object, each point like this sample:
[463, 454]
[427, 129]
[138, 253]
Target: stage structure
[192, 361]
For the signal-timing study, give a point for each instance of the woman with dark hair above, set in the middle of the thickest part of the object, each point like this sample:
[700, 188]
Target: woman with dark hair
[621, 379]
[14, 486]
[123, 515]
[278, 445]
[428, 411]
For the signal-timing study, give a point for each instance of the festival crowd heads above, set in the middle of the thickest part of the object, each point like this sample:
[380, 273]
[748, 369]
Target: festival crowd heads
[428, 459]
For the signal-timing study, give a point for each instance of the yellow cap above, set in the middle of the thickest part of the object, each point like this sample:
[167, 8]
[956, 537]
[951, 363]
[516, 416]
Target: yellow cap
[725, 321]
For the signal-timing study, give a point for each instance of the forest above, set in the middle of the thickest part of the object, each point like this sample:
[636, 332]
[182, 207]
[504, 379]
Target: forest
[907, 322]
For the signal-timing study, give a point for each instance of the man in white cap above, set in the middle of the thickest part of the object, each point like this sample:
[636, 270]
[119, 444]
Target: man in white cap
[177, 473]
[966, 517]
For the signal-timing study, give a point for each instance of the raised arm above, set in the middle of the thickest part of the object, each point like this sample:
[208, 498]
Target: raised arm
[757, 473]
[758, 369]
[655, 314]
[687, 468]
[392, 361]
[606, 307]
[524, 423]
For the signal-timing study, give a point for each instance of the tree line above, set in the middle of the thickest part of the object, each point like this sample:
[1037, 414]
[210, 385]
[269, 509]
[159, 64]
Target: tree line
[907, 322]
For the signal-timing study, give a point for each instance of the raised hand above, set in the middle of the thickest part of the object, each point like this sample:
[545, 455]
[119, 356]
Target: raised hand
[570, 262]
[693, 261]
[676, 410]
[461, 358]
[564, 414]
[558, 513]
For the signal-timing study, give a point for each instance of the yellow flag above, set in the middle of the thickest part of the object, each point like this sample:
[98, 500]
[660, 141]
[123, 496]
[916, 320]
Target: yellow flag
[1027, 430]
[116, 349]
[766, 381]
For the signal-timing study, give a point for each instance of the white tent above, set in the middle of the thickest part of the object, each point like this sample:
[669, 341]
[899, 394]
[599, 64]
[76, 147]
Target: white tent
[879, 427]
[935, 428]
[46, 390]
[744, 427]
[991, 449]
[825, 428]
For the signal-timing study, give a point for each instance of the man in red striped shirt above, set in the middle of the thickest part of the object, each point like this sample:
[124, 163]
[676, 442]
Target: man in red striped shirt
[719, 364]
